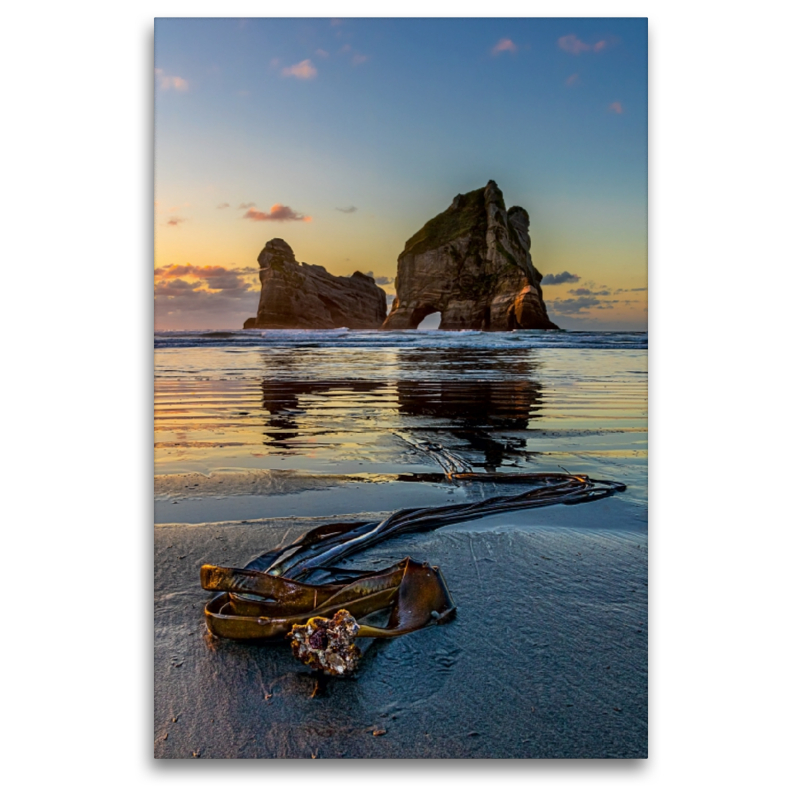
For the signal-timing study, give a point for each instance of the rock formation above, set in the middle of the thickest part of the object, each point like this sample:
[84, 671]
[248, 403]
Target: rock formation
[307, 296]
[473, 264]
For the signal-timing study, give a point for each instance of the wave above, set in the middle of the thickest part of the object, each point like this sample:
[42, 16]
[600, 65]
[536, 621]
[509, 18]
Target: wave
[437, 339]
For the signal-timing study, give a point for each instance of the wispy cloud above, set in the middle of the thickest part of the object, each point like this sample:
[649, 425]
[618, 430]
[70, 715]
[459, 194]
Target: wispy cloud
[572, 44]
[563, 277]
[348, 210]
[171, 81]
[504, 46]
[583, 300]
[277, 213]
[380, 280]
[578, 306]
[175, 221]
[358, 58]
[583, 292]
[246, 205]
[572, 80]
[224, 205]
[321, 53]
[616, 107]
[305, 70]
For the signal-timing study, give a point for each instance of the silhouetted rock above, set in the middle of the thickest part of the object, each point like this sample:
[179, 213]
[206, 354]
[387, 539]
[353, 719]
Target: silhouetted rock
[307, 296]
[472, 263]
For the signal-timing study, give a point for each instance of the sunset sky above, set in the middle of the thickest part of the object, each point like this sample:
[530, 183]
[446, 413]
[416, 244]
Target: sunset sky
[344, 137]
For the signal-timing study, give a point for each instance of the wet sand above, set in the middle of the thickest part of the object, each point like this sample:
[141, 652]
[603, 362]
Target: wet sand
[258, 442]
[547, 657]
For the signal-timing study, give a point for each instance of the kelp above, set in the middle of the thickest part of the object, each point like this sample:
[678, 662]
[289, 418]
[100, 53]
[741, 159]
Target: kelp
[297, 592]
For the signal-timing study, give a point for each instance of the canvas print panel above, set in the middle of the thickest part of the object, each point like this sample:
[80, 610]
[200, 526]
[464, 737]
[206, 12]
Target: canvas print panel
[400, 388]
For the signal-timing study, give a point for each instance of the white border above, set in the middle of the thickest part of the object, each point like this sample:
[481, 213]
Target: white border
[78, 368]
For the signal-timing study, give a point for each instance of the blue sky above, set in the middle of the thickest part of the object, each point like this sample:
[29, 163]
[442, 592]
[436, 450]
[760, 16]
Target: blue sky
[366, 128]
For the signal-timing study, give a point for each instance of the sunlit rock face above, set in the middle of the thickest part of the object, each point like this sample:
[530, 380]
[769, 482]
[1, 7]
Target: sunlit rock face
[304, 295]
[473, 264]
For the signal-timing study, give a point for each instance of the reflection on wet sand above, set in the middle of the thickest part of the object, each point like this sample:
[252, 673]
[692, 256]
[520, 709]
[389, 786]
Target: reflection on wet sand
[468, 395]
[469, 408]
[337, 410]
[474, 411]
[281, 399]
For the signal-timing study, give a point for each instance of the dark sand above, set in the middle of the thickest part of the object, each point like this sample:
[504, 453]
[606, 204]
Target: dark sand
[552, 665]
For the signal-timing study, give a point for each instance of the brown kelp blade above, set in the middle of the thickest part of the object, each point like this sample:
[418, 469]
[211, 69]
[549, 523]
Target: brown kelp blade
[310, 560]
[281, 596]
[414, 594]
[222, 620]
[422, 599]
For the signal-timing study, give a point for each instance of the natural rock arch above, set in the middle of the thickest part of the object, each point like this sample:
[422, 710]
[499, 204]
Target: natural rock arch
[472, 264]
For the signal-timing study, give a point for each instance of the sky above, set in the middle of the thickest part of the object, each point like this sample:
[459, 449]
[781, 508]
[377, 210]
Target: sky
[344, 136]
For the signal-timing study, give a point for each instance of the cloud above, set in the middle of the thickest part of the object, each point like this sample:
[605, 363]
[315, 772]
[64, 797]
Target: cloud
[246, 205]
[193, 297]
[504, 46]
[616, 107]
[577, 306]
[358, 59]
[170, 279]
[582, 301]
[305, 70]
[348, 210]
[572, 80]
[277, 213]
[572, 44]
[380, 280]
[171, 81]
[224, 205]
[562, 277]
[175, 221]
[582, 292]
[176, 288]
[322, 53]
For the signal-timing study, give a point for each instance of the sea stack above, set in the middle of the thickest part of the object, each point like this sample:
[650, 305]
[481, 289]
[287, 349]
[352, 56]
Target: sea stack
[471, 263]
[300, 295]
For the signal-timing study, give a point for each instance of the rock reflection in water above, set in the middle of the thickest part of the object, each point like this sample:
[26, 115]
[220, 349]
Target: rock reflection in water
[473, 400]
[474, 408]
[281, 399]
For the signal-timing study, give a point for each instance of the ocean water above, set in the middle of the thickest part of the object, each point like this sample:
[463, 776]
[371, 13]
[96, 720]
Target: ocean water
[243, 415]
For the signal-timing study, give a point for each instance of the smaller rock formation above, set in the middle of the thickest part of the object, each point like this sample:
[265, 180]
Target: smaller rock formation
[473, 264]
[304, 295]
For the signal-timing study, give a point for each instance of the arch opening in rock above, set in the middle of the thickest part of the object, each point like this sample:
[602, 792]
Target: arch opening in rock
[422, 313]
[431, 322]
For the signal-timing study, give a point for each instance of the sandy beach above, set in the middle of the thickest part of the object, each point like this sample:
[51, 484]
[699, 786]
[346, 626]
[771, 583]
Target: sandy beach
[547, 655]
